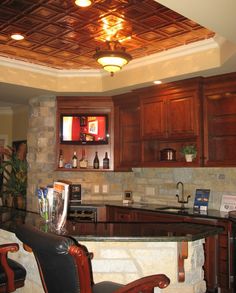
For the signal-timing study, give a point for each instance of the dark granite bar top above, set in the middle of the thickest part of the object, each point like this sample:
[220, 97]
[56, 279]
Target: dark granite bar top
[107, 231]
[148, 232]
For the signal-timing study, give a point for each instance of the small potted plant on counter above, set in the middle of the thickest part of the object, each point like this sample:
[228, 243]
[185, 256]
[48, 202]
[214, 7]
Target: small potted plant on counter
[190, 152]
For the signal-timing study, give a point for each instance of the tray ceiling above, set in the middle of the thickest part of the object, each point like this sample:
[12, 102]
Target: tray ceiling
[60, 35]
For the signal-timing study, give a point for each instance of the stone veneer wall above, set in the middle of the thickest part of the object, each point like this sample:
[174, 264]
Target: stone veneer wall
[41, 140]
[152, 185]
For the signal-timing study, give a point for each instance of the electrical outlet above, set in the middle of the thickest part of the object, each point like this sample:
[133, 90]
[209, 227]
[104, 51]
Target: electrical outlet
[150, 191]
[104, 188]
[96, 188]
[128, 195]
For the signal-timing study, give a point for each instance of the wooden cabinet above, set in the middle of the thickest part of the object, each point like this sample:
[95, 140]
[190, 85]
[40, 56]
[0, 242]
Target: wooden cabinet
[171, 117]
[120, 214]
[127, 131]
[220, 120]
[153, 117]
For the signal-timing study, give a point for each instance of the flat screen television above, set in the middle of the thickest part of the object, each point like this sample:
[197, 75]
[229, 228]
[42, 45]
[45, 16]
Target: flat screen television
[84, 129]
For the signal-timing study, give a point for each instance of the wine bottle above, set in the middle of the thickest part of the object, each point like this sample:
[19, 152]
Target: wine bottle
[83, 162]
[61, 160]
[74, 161]
[96, 161]
[106, 162]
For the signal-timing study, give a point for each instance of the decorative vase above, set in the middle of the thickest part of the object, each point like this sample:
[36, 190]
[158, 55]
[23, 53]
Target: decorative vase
[189, 157]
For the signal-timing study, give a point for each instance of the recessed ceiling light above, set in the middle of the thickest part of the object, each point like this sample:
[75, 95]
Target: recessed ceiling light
[157, 82]
[17, 37]
[83, 3]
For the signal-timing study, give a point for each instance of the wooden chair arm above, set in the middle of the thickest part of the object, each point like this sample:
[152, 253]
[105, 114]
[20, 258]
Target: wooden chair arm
[145, 284]
[83, 265]
[4, 249]
[9, 247]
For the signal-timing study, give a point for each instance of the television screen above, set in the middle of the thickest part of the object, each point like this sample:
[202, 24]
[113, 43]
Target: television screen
[84, 128]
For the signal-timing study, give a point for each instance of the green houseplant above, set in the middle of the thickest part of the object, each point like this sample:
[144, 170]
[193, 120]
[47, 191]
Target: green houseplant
[14, 169]
[190, 152]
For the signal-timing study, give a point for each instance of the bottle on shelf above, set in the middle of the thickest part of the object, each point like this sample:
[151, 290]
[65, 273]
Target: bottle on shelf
[106, 161]
[61, 160]
[83, 162]
[74, 161]
[96, 161]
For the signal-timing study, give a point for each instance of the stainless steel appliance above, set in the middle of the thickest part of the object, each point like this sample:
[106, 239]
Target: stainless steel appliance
[76, 210]
[82, 213]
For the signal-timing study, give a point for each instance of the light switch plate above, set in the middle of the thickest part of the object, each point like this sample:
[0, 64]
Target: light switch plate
[104, 188]
[96, 188]
[128, 195]
[150, 191]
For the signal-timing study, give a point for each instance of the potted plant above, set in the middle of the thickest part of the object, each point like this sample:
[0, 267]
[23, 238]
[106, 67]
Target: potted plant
[190, 152]
[14, 170]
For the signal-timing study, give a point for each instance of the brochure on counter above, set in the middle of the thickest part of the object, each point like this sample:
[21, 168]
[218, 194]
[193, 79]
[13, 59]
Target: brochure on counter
[201, 200]
[228, 203]
[60, 204]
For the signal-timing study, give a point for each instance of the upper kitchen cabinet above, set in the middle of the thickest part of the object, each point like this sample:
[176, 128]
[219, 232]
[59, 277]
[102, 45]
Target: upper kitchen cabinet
[171, 119]
[127, 131]
[220, 120]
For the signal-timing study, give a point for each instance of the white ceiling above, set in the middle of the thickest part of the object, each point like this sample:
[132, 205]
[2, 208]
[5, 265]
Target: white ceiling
[217, 15]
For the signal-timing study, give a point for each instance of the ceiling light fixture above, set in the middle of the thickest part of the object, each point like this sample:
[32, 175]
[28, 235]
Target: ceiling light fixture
[17, 37]
[114, 58]
[157, 82]
[83, 3]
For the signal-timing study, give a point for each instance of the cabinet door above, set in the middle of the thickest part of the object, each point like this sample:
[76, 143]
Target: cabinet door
[181, 116]
[119, 214]
[220, 130]
[127, 135]
[153, 118]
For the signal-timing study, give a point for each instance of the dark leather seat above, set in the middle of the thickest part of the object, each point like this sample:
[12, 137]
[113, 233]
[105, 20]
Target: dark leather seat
[12, 274]
[65, 266]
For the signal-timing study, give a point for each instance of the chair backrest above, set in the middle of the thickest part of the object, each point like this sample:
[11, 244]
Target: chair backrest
[58, 268]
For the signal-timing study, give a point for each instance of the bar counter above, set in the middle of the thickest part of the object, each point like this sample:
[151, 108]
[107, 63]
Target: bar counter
[112, 231]
[124, 251]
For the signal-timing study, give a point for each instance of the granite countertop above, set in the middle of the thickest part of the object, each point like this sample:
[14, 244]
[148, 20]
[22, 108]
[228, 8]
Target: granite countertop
[153, 232]
[107, 231]
[210, 213]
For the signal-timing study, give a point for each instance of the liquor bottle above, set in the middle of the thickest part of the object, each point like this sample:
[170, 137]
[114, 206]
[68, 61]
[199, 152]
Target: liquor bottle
[61, 160]
[74, 161]
[83, 162]
[106, 162]
[96, 161]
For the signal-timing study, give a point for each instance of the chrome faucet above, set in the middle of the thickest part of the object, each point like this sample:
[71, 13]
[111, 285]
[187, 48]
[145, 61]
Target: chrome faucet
[182, 200]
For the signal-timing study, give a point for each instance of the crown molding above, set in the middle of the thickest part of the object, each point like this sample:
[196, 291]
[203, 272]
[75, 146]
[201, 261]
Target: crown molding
[161, 56]
[6, 111]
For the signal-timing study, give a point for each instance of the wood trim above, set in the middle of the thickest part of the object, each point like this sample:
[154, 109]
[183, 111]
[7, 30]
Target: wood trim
[182, 254]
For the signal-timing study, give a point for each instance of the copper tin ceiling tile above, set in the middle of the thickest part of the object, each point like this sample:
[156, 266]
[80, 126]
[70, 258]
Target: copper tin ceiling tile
[59, 34]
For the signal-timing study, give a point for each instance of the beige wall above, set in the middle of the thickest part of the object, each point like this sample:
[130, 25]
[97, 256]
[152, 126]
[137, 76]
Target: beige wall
[20, 123]
[14, 123]
[6, 123]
